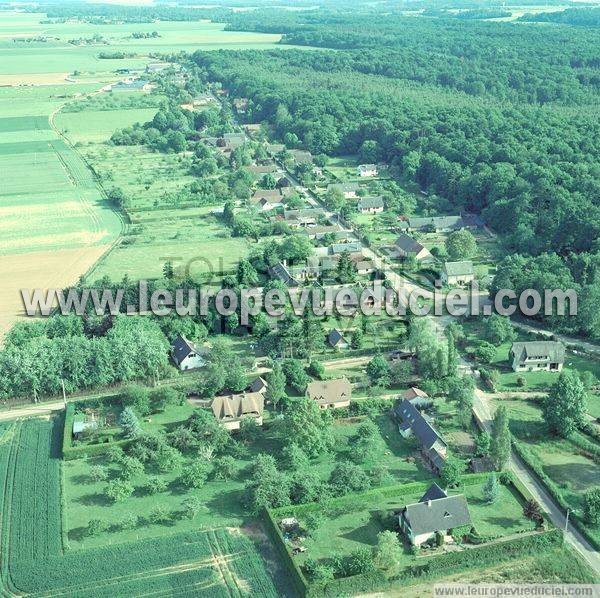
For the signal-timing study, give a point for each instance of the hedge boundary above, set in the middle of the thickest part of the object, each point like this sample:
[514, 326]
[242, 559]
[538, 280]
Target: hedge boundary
[530, 461]
[71, 452]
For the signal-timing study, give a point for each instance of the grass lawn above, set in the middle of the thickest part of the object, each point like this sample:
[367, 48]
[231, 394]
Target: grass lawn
[356, 522]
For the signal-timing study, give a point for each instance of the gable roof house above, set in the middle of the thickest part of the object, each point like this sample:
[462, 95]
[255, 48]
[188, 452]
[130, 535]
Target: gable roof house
[435, 223]
[433, 447]
[301, 156]
[339, 248]
[367, 170]
[337, 340]
[302, 218]
[436, 512]
[259, 384]
[537, 355]
[330, 393]
[186, 354]
[349, 190]
[457, 272]
[371, 204]
[233, 140]
[406, 246]
[266, 199]
[231, 409]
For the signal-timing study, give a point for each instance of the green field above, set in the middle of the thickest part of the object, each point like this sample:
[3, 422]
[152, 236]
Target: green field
[34, 560]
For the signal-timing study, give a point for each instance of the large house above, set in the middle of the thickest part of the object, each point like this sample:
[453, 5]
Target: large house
[367, 170]
[330, 393]
[371, 204]
[434, 223]
[436, 512]
[303, 218]
[231, 409]
[406, 246]
[267, 199]
[537, 355]
[413, 423]
[457, 272]
[187, 355]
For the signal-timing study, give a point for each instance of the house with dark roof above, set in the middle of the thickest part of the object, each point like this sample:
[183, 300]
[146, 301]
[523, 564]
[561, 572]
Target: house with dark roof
[301, 156]
[434, 223]
[337, 340]
[371, 204]
[187, 355]
[406, 246]
[458, 272]
[330, 393]
[281, 272]
[537, 355]
[259, 384]
[435, 513]
[413, 423]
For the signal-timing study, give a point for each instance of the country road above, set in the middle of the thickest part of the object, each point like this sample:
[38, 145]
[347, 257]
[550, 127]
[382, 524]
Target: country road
[481, 409]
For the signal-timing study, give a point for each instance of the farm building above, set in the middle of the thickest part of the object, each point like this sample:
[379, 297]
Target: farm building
[418, 398]
[435, 513]
[457, 272]
[414, 423]
[233, 140]
[537, 355]
[231, 409]
[433, 223]
[330, 393]
[371, 204]
[187, 355]
[367, 170]
[406, 246]
[132, 85]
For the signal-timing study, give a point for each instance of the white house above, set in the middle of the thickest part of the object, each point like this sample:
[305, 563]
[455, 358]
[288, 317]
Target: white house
[457, 272]
[435, 513]
[186, 354]
[371, 204]
[367, 170]
[537, 355]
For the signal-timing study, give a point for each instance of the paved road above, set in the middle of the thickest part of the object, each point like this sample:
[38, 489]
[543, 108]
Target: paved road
[481, 408]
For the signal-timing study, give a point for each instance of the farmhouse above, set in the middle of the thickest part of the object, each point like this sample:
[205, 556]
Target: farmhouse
[435, 224]
[260, 169]
[337, 340]
[406, 246]
[367, 170]
[301, 156]
[330, 393]
[436, 512]
[457, 272]
[267, 199]
[186, 354]
[537, 355]
[348, 190]
[318, 232]
[231, 409]
[371, 204]
[233, 140]
[132, 85]
[433, 447]
[302, 218]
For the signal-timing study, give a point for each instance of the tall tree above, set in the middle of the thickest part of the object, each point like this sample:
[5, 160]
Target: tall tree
[500, 444]
[565, 406]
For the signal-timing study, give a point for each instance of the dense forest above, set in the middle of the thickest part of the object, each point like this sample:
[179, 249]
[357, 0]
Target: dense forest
[587, 16]
[490, 119]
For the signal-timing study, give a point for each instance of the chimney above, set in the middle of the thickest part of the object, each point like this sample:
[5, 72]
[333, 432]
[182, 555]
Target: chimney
[429, 503]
